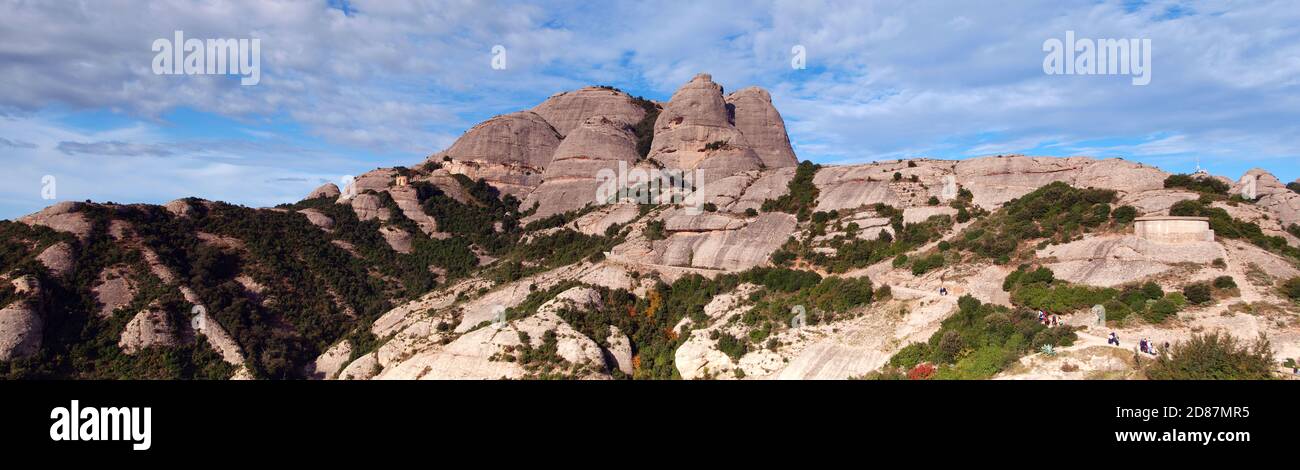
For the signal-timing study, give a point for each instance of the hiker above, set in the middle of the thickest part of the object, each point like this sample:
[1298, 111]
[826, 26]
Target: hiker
[1142, 345]
[1113, 339]
[943, 291]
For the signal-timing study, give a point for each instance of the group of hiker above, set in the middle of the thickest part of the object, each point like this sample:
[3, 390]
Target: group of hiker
[1048, 320]
[1145, 345]
[1149, 347]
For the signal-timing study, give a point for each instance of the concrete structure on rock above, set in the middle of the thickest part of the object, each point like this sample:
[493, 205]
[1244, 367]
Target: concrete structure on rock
[1173, 229]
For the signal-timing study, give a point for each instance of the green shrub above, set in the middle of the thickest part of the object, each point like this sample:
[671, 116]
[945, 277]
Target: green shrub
[1177, 298]
[1056, 211]
[1160, 310]
[1225, 282]
[1214, 357]
[1152, 291]
[732, 347]
[710, 207]
[751, 212]
[1116, 310]
[1197, 293]
[802, 193]
[1198, 184]
[926, 264]
[654, 230]
[1124, 214]
[1292, 288]
[933, 201]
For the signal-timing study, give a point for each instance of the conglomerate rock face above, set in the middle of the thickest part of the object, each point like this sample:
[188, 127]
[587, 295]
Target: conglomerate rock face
[695, 131]
[571, 180]
[553, 156]
[754, 116]
[567, 111]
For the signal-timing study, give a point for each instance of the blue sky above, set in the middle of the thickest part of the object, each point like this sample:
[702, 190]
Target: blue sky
[347, 86]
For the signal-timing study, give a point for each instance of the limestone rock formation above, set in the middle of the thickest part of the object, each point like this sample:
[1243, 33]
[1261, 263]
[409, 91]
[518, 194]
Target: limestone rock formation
[570, 181]
[509, 151]
[619, 352]
[375, 180]
[114, 290]
[398, 239]
[753, 114]
[714, 243]
[367, 207]
[363, 368]
[1114, 260]
[330, 190]
[179, 208]
[58, 258]
[996, 180]
[1272, 195]
[150, 327]
[567, 111]
[318, 219]
[408, 201]
[330, 362]
[63, 216]
[479, 353]
[21, 325]
[695, 131]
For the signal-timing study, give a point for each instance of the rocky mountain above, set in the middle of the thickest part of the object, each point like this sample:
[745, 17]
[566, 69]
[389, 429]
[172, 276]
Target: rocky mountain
[495, 258]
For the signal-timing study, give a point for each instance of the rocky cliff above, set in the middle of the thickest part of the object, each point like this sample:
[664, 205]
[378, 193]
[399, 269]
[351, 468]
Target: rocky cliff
[494, 259]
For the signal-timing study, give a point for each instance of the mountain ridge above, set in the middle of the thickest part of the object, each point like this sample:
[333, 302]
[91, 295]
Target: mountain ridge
[492, 259]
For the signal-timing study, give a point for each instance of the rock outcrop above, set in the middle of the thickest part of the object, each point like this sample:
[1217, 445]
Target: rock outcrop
[570, 181]
[694, 130]
[754, 116]
[367, 206]
[150, 327]
[21, 325]
[330, 190]
[328, 365]
[318, 219]
[58, 258]
[567, 111]
[509, 151]
[1113, 260]
[114, 290]
[63, 216]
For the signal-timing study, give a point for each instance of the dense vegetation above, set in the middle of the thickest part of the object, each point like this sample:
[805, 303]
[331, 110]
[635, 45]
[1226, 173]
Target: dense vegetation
[1204, 185]
[978, 341]
[76, 342]
[853, 252]
[648, 321]
[1225, 226]
[1057, 212]
[1214, 356]
[1038, 289]
[802, 195]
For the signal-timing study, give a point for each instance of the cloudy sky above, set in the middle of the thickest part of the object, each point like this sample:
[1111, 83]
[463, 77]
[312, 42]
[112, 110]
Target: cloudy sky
[347, 86]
